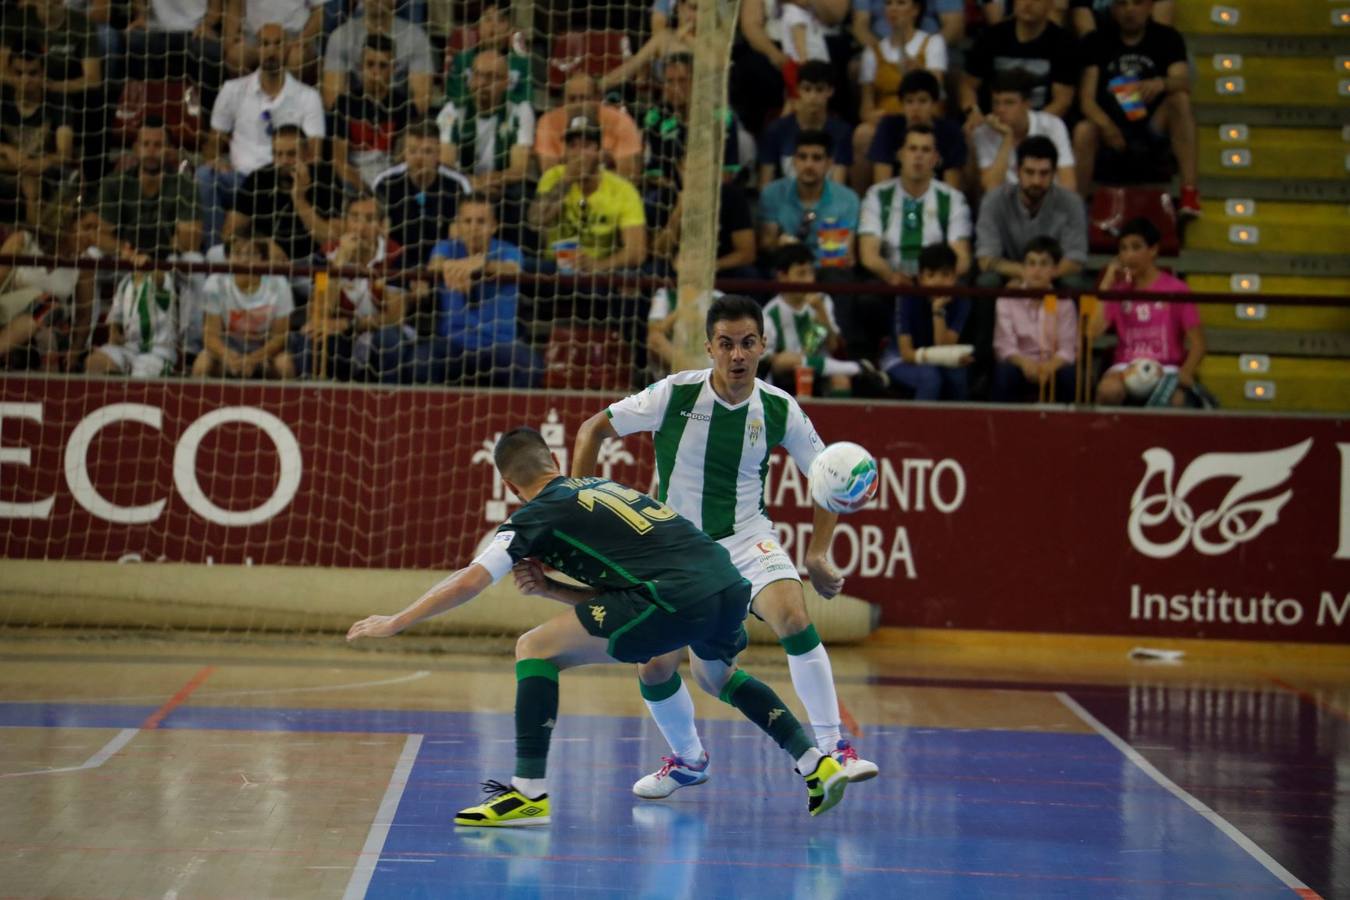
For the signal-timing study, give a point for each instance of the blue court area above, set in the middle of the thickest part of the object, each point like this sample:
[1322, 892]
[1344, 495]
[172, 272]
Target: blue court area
[955, 813]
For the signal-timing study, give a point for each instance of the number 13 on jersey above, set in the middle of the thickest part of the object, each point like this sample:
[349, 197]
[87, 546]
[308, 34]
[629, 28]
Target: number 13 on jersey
[627, 504]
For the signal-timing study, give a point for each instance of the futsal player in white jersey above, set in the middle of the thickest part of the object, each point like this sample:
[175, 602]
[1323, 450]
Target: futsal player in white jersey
[713, 430]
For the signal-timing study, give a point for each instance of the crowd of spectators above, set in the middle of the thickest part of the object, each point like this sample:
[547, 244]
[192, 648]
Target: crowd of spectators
[898, 142]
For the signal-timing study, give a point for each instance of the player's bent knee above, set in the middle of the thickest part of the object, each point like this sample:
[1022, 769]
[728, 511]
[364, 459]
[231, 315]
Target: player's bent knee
[659, 669]
[712, 676]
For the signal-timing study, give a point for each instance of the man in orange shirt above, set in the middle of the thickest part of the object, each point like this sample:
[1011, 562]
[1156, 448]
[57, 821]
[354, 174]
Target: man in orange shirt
[620, 139]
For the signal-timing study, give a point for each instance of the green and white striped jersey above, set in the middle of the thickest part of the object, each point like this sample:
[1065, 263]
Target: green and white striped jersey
[907, 224]
[147, 313]
[784, 326]
[712, 458]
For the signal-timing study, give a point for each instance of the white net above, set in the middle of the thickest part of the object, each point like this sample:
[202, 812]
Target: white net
[281, 277]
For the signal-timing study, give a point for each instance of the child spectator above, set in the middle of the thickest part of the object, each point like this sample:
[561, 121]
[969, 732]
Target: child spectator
[925, 358]
[1034, 344]
[1167, 333]
[247, 317]
[800, 330]
[876, 148]
[142, 329]
[906, 49]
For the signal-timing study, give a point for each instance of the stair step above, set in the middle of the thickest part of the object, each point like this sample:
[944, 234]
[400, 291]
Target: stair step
[1276, 285]
[1333, 344]
[1277, 81]
[1323, 265]
[1324, 45]
[1282, 116]
[1262, 17]
[1273, 318]
[1314, 154]
[1275, 212]
[1323, 191]
[1310, 385]
[1217, 232]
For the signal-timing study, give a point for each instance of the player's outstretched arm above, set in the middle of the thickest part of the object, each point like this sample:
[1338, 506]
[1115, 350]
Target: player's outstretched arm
[825, 578]
[457, 589]
[586, 451]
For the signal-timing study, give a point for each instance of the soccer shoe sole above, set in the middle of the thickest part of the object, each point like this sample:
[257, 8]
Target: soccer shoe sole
[654, 796]
[835, 786]
[865, 771]
[501, 823]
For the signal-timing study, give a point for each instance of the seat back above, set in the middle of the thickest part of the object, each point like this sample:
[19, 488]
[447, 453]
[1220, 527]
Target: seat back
[594, 52]
[178, 103]
[586, 356]
[1112, 207]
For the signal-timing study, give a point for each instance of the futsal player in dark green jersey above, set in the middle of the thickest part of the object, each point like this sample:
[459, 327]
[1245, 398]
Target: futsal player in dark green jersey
[656, 584]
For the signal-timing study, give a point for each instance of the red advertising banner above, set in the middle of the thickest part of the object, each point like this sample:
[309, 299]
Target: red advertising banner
[1177, 525]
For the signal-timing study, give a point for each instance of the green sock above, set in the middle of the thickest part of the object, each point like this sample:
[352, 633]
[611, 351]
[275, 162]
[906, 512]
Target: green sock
[758, 703]
[536, 712]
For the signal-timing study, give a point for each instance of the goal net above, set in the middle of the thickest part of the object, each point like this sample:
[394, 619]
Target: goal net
[271, 289]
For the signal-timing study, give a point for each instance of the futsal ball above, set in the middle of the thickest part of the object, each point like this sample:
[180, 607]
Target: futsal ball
[843, 478]
[1142, 377]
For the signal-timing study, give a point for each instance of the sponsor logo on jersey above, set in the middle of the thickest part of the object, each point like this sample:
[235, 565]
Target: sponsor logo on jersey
[696, 416]
[767, 547]
[504, 537]
[598, 614]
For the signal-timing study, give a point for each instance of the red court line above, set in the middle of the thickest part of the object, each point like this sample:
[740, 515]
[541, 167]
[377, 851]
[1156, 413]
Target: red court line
[153, 720]
[1311, 698]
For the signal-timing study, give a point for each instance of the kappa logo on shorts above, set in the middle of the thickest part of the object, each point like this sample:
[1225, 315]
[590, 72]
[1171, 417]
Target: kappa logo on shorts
[598, 614]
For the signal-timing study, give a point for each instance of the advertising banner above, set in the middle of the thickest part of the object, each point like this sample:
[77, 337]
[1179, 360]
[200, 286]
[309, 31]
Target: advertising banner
[1178, 525]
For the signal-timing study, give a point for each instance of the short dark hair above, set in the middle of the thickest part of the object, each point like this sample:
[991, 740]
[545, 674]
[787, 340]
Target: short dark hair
[522, 454]
[937, 258]
[422, 128]
[1044, 243]
[380, 43]
[817, 71]
[1038, 146]
[680, 59]
[815, 137]
[245, 233]
[921, 81]
[794, 254]
[153, 121]
[1143, 228]
[361, 197]
[28, 49]
[290, 129]
[1013, 81]
[920, 129]
[731, 308]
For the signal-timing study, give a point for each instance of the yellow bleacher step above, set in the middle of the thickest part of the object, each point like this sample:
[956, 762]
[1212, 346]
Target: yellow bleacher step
[1271, 225]
[1254, 312]
[1290, 383]
[1266, 80]
[1310, 153]
[1260, 17]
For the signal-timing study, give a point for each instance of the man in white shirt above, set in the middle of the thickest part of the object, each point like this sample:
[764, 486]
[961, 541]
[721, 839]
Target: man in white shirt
[1011, 121]
[245, 116]
[412, 54]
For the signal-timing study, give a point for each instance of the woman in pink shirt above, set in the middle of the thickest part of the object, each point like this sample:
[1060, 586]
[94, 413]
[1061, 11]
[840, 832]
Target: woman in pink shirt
[1168, 333]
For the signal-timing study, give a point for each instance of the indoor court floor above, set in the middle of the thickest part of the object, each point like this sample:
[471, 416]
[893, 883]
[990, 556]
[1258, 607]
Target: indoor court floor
[175, 768]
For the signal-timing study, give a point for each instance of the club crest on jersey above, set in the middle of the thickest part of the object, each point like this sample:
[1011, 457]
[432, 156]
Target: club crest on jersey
[756, 429]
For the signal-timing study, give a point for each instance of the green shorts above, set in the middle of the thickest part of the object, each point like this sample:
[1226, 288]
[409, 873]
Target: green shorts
[637, 629]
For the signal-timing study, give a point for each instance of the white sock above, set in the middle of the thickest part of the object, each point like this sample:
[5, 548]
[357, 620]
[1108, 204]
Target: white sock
[841, 367]
[806, 763]
[813, 680]
[534, 788]
[675, 717]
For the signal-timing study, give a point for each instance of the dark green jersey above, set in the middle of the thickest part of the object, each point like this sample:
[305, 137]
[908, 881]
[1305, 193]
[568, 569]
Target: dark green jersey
[612, 537]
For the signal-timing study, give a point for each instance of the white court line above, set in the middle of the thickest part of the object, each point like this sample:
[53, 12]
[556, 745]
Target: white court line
[401, 679]
[384, 817]
[117, 743]
[1218, 821]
